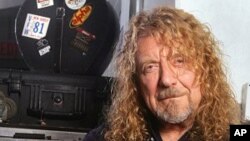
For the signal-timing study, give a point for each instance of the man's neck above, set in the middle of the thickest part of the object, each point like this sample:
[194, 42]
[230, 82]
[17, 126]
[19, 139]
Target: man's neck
[173, 132]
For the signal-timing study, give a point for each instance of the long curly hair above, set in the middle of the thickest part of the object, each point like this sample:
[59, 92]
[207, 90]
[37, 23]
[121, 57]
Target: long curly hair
[172, 27]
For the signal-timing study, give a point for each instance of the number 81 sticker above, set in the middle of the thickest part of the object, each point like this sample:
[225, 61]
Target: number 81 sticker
[35, 26]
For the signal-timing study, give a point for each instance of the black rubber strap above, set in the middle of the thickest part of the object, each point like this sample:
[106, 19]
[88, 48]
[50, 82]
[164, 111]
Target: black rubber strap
[60, 13]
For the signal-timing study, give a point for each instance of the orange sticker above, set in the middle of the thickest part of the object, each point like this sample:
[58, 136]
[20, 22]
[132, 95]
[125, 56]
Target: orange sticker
[80, 16]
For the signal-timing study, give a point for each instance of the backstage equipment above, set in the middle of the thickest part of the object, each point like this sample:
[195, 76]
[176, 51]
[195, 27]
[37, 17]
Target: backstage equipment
[52, 56]
[8, 107]
[67, 36]
[64, 104]
[51, 100]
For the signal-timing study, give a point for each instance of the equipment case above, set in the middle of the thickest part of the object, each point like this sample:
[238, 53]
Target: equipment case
[60, 102]
[50, 88]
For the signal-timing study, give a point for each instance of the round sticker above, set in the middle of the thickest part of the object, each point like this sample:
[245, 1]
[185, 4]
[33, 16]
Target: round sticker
[75, 4]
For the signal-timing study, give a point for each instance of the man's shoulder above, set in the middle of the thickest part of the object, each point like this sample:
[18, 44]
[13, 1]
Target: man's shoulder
[95, 134]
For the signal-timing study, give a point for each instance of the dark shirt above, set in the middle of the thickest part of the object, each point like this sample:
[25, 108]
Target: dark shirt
[98, 133]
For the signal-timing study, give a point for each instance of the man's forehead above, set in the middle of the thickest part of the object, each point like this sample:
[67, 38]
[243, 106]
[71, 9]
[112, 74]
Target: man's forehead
[159, 50]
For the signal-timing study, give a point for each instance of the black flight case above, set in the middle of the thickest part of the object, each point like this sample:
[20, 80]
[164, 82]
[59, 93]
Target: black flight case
[52, 57]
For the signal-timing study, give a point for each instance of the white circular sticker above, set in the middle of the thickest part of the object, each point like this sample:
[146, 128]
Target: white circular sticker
[75, 4]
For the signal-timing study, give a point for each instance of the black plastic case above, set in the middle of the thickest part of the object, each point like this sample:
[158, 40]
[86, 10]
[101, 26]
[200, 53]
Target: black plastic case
[45, 100]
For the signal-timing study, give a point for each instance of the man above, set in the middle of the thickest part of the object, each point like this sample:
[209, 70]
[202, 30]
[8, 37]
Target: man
[170, 84]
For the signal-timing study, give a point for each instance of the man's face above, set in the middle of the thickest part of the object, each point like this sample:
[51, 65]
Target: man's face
[166, 82]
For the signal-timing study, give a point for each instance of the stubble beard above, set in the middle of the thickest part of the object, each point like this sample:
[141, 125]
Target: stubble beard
[170, 112]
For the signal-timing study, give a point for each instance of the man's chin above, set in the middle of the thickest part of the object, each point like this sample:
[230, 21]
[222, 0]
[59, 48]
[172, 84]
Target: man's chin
[174, 116]
[180, 122]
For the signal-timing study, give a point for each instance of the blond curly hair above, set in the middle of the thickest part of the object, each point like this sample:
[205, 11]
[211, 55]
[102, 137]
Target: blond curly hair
[218, 108]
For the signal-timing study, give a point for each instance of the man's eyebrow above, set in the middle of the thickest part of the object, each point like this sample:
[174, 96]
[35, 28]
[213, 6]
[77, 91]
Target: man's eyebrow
[147, 59]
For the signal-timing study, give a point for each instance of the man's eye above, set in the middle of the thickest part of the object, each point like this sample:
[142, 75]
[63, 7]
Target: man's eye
[178, 61]
[151, 68]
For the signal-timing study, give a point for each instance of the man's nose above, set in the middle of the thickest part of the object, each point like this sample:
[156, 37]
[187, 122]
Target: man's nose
[168, 77]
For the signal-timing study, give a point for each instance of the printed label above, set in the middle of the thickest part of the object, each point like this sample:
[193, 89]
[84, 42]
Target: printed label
[35, 26]
[43, 47]
[82, 40]
[44, 50]
[44, 3]
[75, 4]
[89, 35]
[80, 16]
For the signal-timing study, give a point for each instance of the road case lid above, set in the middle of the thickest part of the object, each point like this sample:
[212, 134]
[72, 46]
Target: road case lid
[69, 36]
